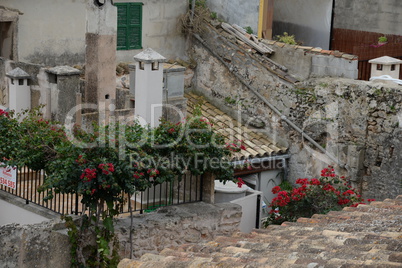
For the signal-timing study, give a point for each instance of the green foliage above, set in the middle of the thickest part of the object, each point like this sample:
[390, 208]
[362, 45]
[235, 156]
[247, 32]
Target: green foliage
[201, 3]
[286, 38]
[214, 16]
[249, 30]
[230, 100]
[315, 196]
[382, 39]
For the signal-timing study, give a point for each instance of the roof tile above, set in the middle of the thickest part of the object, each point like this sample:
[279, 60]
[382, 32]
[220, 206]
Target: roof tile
[257, 144]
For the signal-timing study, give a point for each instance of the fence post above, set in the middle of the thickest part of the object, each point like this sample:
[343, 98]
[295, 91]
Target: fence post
[76, 204]
[208, 188]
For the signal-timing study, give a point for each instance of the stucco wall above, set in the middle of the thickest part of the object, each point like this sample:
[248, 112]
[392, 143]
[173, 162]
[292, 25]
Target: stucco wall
[50, 32]
[240, 12]
[308, 20]
[381, 16]
[160, 29]
[53, 32]
[358, 122]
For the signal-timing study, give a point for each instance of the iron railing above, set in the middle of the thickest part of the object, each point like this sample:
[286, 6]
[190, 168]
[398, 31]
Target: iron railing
[188, 189]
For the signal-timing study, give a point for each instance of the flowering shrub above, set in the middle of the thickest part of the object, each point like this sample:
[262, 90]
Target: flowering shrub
[312, 196]
[111, 160]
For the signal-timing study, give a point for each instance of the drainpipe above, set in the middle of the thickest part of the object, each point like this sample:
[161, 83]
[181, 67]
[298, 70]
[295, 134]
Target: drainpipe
[271, 106]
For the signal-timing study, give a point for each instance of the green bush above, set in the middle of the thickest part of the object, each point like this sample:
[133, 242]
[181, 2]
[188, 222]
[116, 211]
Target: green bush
[286, 38]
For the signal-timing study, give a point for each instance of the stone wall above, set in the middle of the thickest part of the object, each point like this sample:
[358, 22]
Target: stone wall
[357, 122]
[47, 244]
[34, 245]
[176, 225]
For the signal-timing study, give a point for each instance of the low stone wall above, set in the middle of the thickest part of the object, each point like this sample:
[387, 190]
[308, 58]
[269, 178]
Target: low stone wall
[47, 244]
[34, 245]
[176, 225]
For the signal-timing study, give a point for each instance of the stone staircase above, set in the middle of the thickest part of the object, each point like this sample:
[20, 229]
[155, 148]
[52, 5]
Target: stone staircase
[365, 236]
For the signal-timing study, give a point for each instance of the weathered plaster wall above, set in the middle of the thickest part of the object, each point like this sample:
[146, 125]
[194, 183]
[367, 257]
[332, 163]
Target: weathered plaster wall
[381, 16]
[356, 121]
[50, 32]
[160, 29]
[47, 244]
[242, 13]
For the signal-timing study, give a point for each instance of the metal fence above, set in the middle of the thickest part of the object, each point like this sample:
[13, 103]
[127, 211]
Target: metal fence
[188, 189]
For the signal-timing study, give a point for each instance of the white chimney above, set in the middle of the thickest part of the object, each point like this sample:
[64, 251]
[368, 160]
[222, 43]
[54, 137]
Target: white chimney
[385, 66]
[149, 86]
[19, 90]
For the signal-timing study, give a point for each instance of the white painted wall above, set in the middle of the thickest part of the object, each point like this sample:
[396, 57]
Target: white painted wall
[20, 95]
[148, 93]
[308, 20]
[50, 32]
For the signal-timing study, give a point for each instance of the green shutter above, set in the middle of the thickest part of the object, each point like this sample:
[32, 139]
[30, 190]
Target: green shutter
[129, 25]
[134, 32]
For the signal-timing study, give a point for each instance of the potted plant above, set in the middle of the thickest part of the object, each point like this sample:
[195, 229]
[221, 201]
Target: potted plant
[382, 40]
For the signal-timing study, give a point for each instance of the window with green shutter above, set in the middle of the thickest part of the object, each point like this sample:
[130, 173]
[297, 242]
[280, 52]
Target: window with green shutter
[129, 26]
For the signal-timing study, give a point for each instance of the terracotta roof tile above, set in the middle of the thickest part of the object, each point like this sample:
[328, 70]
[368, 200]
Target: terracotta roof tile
[257, 144]
[316, 50]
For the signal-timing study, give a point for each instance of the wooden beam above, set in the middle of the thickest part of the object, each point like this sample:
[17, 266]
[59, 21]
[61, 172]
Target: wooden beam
[261, 19]
[269, 18]
[242, 37]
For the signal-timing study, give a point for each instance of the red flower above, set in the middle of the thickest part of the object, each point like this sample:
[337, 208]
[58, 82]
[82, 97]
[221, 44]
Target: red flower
[276, 189]
[315, 182]
[298, 193]
[4, 113]
[240, 182]
[138, 175]
[171, 130]
[329, 188]
[88, 174]
[106, 168]
[153, 172]
[343, 201]
[348, 192]
[301, 181]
